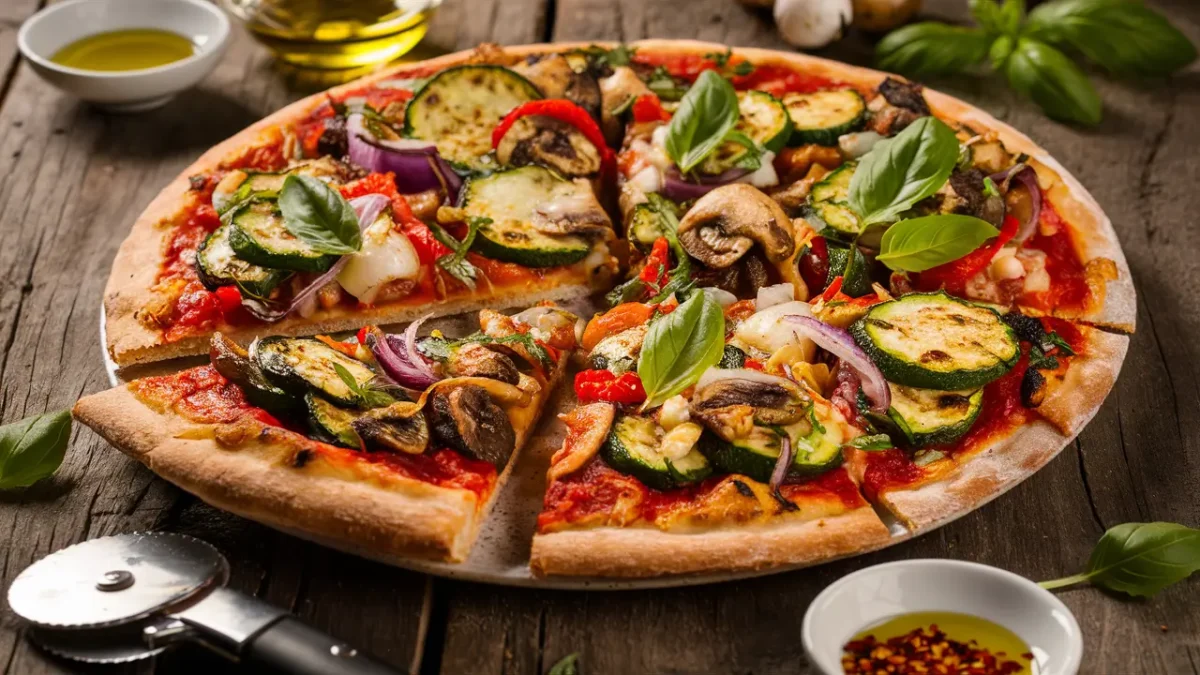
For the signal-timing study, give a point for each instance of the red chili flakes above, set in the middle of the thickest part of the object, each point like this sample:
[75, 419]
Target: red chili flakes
[924, 651]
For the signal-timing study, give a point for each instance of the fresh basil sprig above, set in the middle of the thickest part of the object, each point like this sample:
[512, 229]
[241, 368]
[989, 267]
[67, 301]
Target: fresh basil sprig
[921, 243]
[367, 396]
[569, 665]
[1123, 36]
[706, 115]
[903, 170]
[1139, 559]
[456, 263]
[319, 216]
[33, 448]
[680, 346]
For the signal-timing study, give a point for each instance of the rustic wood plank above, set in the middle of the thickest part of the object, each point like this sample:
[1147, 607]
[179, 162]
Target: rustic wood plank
[464, 24]
[1134, 462]
[72, 182]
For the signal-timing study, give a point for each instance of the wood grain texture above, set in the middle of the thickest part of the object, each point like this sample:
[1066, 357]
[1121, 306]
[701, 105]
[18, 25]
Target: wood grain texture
[71, 180]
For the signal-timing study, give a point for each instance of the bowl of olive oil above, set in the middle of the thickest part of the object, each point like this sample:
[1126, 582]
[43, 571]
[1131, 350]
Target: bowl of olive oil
[938, 615]
[125, 55]
[335, 34]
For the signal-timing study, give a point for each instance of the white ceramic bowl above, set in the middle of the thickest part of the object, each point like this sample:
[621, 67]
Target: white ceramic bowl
[878, 593]
[62, 23]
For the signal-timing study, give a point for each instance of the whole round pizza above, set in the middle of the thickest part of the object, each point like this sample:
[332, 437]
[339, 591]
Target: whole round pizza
[797, 310]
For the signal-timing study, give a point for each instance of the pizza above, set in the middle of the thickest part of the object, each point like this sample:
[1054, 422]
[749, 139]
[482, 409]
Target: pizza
[829, 308]
[393, 446]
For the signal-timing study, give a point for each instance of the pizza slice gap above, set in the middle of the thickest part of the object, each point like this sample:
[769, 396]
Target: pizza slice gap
[387, 446]
[960, 449]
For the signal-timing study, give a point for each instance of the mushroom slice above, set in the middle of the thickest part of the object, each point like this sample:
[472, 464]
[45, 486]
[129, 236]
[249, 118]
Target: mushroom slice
[723, 224]
[729, 406]
[554, 76]
[400, 427]
[476, 360]
[538, 139]
[575, 211]
[466, 419]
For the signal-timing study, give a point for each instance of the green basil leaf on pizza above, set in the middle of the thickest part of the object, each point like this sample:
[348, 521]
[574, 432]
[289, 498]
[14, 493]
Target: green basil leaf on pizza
[318, 215]
[901, 171]
[680, 346]
[922, 243]
[706, 115]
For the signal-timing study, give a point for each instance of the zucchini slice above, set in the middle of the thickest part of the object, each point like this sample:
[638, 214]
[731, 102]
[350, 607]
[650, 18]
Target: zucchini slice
[934, 341]
[822, 116]
[633, 448]
[459, 107]
[330, 423]
[755, 455]
[856, 282]
[645, 226]
[828, 204]
[217, 265]
[764, 119]
[306, 364]
[235, 365]
[509, 199]
[930, 417]
[258, 236]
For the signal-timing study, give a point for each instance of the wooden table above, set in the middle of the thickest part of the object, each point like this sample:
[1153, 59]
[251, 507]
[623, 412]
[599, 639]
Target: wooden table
[72, 180]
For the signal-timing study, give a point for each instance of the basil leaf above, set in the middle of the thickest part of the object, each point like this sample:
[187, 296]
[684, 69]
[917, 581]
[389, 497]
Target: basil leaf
[752, 158]
[1053, 81]
[532, 348]
[1140, 559]
[998, 19]
[367, 397]
[921, 243]
[705, 115]
[33, 448]
[680, 346]
[872, 442]
[901, 171]
[931, 48]
[319, 216]
[456, 264]
[569, 665]
[1127, 38]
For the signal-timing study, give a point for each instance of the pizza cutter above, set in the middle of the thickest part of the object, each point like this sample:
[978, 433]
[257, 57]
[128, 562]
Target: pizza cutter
[131, 596]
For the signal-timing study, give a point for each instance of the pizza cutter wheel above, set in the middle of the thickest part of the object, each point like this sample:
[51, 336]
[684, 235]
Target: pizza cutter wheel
[131, 596]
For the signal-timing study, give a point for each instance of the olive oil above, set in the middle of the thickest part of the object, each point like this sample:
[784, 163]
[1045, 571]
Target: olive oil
[336, 34]
[118, 50]
[961, 628]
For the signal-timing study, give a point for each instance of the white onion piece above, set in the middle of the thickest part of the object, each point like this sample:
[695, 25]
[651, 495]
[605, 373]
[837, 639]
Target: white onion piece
[765, 329]
[386, 255]
[715, 374]
[770, 296]
[839, 343]
[723, 297]
[857, 144]
[765, 175]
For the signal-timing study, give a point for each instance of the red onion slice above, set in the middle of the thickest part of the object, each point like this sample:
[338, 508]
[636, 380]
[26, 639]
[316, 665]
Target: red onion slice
[417, 165]
[397, 366]
[783, 463]
[839, 343]
[1027, 177]
[410, 347]
[678, 188]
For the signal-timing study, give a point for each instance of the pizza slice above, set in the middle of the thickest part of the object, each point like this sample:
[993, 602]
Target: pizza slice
[465, 182]
[704, 440]
[389, 446]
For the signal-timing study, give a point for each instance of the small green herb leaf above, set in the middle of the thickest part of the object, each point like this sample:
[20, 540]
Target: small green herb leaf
[1127, 38]
[752, 158]
[903, 170]
[535, 350]
[367, 397]
[33, 448]
[872, 442]
[456, 263]
[931, 48]
[319, 216]
[1053, 81]
[1140, 559]
[664, 85]
[921, 243]
[1055, 340]
[705, 116]
[569, 665]
[680, 346]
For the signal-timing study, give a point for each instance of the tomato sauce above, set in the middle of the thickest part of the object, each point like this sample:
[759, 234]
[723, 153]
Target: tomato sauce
[1068, 279]
[888, 469]
[772, 78]
[444, 468]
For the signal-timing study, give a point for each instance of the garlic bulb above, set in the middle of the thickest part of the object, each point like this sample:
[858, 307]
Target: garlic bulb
[810, 24]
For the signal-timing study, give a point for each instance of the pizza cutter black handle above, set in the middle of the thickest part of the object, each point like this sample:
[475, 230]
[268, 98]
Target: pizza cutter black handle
[293, 647]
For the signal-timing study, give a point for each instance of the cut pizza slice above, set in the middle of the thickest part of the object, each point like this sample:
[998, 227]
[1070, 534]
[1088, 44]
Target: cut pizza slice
[736, 465]
[389, 446]
[458, 184]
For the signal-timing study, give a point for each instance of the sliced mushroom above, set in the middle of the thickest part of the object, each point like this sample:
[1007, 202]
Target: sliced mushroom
[476, 360]
[466, 419]
[537, 139]
[899, 104]
[576, 211]
[555, 77]
[616, 91]
[400, 427]
[723, 224]
[730, 406]
[965, 193]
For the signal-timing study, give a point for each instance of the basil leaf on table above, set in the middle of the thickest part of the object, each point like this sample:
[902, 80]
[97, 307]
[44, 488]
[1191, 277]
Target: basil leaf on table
[706, 114]
[319, 216]
[680, 346]
[1127, 38]
[931, 48]
[1140, 559]
[903, 170]
[569, 665]
[1053, 81]
[33, 448]
[921, 243]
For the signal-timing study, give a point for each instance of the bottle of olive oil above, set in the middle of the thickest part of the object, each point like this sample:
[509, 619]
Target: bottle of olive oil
[336, 34]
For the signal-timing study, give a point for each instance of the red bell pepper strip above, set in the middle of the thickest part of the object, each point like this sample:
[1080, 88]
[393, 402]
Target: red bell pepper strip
[658, 265]
[601, 385]
[954, 275]
[564, 111]
[834, 287]
[230, 298]
[648, 108]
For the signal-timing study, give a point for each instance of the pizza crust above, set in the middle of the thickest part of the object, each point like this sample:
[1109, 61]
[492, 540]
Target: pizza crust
[644, 552]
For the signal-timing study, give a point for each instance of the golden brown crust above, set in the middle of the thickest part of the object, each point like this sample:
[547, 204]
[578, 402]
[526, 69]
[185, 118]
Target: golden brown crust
[645, 552]
[364, 509]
